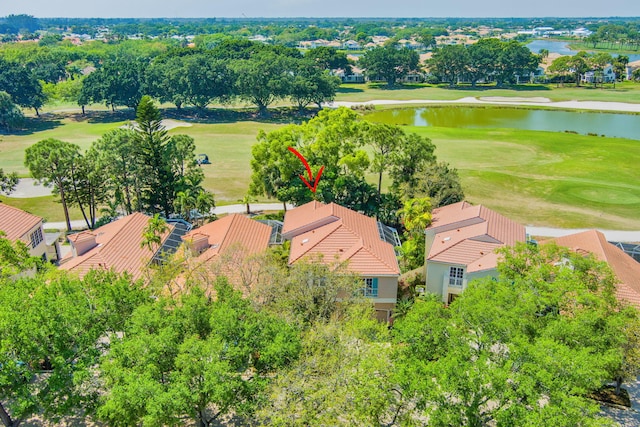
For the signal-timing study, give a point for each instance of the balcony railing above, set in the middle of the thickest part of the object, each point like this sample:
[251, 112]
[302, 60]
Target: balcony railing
[454, 282]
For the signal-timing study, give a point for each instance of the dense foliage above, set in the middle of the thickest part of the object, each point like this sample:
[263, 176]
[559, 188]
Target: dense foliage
[342, 142]
[301, 347]
[487, 60]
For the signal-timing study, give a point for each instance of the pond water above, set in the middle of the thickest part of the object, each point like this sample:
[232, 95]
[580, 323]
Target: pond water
[609, 124]
[563, 48]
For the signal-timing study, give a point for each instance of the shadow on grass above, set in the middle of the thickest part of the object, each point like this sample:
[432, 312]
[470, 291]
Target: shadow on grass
[384, 86]
[349, 90]
[483, 88]
[33, 125]
[107, 116]
[282, 115]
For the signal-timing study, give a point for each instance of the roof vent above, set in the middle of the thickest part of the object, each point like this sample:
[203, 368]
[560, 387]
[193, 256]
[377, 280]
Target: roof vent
[446, 239]
[304, 241]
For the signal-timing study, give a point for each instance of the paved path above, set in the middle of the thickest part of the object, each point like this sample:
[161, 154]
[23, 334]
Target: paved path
[28, 188]
[627, 417]
[500, 100]
[218, 210]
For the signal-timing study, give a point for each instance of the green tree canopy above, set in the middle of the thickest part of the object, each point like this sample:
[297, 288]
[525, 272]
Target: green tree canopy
[389, 63]
[8, 181]
[51, 330]
[525, 349]
[50, 161]
[11, 116]
[263, 79]
[194, 357]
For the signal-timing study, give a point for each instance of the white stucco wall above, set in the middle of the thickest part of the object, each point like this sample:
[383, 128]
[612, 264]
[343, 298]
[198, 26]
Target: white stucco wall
[41, 248]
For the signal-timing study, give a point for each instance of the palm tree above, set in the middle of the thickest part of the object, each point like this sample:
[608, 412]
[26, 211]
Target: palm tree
[205, 203]
[184, 203]
[416, 214]
[152, 233]
[544, 54]
[246, 200]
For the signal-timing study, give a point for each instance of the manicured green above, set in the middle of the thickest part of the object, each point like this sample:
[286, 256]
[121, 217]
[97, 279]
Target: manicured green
[540, 178]
[227, 175]
[546, 178]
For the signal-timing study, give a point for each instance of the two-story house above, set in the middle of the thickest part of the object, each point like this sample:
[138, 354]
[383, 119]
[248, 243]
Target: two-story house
[607, 75]
[225, 247]
[625, 268]
[117, 246]
[17, 224]
[460, 246]
[338, 234]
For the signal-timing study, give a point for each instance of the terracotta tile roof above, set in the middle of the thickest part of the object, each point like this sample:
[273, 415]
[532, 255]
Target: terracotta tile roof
[82, 236]
[228, 244]
[15, 223]
[453, 214]
[469, 235]
[339, 234]
[626, 269]
[306, 217]
[118, 247]
[234, 229]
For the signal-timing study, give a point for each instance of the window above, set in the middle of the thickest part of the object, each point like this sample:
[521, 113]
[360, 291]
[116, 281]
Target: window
[36, 238]
[370, 287]
[456, 275]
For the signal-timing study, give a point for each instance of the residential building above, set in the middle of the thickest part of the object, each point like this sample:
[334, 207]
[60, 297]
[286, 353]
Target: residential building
[625, 268]
[630, 68]
[17, 224]
[223, 247]
[214, 238]
[117, 246]
[605, 76]
[351, 45]
[336, 234]
[581, 32]
[461, 245]
[356, 75]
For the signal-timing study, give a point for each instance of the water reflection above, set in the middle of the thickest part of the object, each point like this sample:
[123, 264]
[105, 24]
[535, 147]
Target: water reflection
[609, 124]
[563, 48]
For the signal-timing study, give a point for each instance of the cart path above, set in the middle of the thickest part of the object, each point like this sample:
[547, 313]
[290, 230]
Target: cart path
[505, 100]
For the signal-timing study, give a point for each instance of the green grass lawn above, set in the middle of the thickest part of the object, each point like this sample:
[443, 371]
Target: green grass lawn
[539, 178]
[45, 207]
[623, 92]
[546, 178]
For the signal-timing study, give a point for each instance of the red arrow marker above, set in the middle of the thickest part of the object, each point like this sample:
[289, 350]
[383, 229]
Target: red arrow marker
[313, 187]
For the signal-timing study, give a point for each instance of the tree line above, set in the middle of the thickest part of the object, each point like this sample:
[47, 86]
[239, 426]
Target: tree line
[233, 70]
[487, 60]
[252, 72]
[135, 169]
[615, 36]
[528, 348]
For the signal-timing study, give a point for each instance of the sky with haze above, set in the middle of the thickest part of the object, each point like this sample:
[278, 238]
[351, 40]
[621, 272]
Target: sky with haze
[318, 8]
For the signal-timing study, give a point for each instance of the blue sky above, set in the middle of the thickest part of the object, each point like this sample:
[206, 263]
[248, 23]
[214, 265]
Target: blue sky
[319, 8]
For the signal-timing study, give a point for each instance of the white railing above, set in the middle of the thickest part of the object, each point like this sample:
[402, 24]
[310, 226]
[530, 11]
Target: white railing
[454, 282]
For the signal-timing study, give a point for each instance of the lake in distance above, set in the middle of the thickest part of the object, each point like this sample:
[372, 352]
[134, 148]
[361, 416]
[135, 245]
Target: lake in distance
[608, 124]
